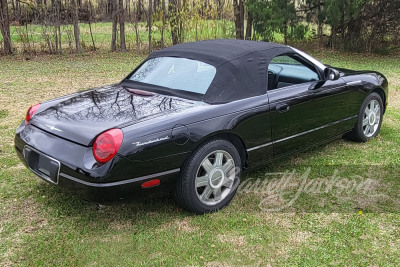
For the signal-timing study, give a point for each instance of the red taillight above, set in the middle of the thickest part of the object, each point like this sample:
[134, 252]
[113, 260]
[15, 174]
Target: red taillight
[31, 111]
[107, 144]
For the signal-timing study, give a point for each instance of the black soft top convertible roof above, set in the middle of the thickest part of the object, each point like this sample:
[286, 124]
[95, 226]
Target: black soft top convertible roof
[242, 66]
[215, 52]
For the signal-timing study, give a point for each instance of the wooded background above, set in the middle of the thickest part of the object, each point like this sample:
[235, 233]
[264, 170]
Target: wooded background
[56, 26]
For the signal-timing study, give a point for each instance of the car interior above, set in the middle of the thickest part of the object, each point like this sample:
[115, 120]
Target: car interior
[286, 70]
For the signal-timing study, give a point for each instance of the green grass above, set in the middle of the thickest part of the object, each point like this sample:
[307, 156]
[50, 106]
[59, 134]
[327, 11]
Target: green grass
[40, 225]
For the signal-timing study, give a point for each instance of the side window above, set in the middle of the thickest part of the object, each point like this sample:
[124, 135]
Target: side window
[287, 70]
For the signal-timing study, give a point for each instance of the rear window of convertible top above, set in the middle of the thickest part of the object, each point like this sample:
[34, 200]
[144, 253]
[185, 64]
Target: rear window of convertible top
[176, 73]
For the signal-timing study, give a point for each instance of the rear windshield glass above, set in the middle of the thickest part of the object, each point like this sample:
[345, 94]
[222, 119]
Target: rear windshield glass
[176, 73]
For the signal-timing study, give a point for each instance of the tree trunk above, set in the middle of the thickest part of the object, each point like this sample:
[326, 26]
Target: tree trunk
[58, 15]
[137, 28]
[173, 20]
[90, 24]
[75, 19]
[319, 29]
[164, 14]
[156, 4]
[13, 9]
[285, 33]
[5, 27]
[140, 10]
[249, 26]
[182, 10]
[39, 11]
[241, 6]
[56, 5]
[59, 38]
[114, 25]
[122, 25]
[238, 12]
[18, 11]
[56, 39]
[149, 22]
[220, 8]
[333, 37]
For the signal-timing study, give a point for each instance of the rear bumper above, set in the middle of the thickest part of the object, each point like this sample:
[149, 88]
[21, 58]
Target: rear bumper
[68, 180]
[116, 180]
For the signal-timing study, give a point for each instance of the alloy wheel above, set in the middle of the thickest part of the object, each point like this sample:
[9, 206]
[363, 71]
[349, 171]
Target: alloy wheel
[215, 177]
[371, 118]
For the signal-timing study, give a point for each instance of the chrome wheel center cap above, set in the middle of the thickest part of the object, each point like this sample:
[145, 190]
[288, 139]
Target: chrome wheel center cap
[372, 118]
[216, 178]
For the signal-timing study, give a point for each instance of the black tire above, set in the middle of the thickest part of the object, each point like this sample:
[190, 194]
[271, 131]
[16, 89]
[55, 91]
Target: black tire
[188, 195]
[358, 133]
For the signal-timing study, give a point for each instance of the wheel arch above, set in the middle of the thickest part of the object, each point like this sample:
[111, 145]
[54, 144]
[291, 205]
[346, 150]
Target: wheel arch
[382, 94]
[232, 137]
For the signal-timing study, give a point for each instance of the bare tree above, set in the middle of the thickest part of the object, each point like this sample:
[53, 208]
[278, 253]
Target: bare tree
[140, 10]
[136, 26]
[55, 11]
[114, 25]
[5, 27]
[90, 24]
[220, 8]
[149, 23]
[156, 4]
[75, 20]
[122, 25]
[58, 11]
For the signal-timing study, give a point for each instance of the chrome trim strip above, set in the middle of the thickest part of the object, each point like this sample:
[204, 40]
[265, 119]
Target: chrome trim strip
[353, 82]
[300, 134]
[260, 146]
[290, 87]
[42, 176]
[119, 182]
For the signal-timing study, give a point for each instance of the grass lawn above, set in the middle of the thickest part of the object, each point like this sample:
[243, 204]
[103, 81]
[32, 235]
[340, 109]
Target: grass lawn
[39, 225]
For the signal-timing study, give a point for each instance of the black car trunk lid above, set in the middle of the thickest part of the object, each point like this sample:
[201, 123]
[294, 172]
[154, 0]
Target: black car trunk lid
[83, 116]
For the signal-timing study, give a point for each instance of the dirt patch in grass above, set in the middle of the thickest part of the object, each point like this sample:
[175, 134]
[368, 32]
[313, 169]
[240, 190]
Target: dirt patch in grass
[120, 225]
[299, 237]
[181, 225]
[216, 264]
[394, 99]
[236, 240]
[394, 82]
[284, 220]
[184, 225]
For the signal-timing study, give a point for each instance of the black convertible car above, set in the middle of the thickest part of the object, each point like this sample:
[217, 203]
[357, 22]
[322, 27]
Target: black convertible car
[191, 117]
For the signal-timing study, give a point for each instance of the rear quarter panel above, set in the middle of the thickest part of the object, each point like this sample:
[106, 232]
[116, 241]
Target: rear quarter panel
[165, 143]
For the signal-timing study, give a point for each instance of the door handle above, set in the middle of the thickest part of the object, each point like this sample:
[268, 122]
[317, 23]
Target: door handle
[282, 108]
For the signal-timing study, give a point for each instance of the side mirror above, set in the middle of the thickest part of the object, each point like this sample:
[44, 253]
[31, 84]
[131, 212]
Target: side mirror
[332, 74]
[316, 85]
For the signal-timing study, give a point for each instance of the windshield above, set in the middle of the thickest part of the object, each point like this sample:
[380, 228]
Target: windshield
[310, 58]
[176, 73]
